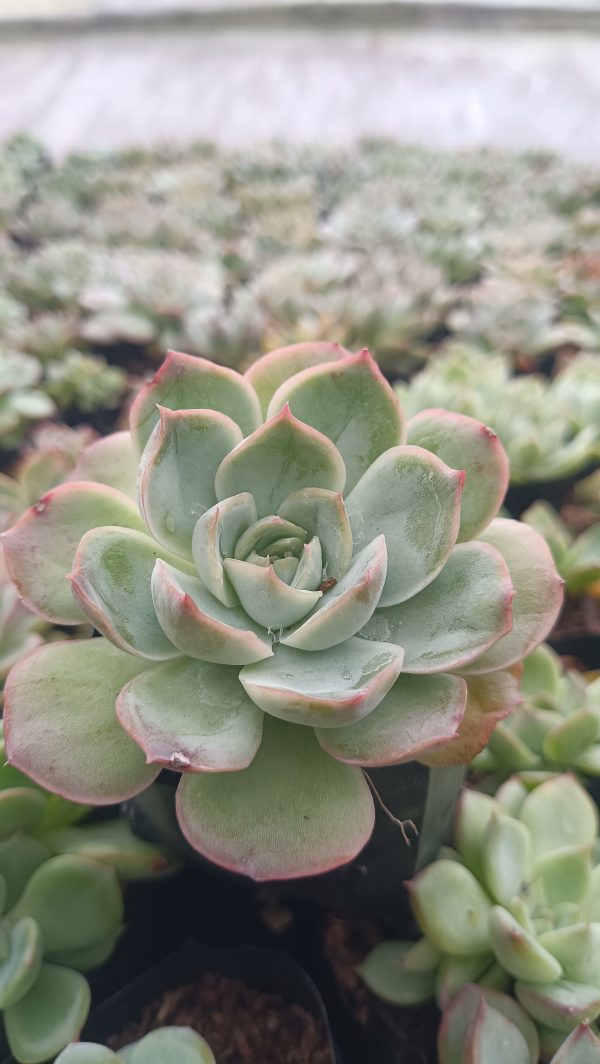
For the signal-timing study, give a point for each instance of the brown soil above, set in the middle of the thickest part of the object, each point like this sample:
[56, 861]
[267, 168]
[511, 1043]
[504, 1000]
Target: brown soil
[397, 1035]
[242, 1025]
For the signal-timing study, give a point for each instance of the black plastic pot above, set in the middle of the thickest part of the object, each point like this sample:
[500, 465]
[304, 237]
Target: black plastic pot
[372, 883]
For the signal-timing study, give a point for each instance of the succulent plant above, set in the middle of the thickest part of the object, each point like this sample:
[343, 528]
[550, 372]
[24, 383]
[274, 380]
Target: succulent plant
[547, 435]
[62, 909]
[577, 557]
[179, 1044]
[20, 629]
[515, 905]
[85, 382]
[482, 1025]
[557, 727]
[295, 598]
[21, 400]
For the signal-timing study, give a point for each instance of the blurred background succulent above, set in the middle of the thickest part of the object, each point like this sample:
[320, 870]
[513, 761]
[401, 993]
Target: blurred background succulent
[577, 557]
[22, 397]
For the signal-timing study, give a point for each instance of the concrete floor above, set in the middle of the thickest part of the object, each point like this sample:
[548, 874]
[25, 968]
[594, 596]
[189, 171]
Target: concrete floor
[449, 88]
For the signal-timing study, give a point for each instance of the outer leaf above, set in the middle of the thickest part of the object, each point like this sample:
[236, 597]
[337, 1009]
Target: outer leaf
[112, 843]
[560, 813]
[215, 536]
[490, 1032]
[19, 971]
[179, 1044]
[269, 372]
[177, 472]
[417, 714]
[111, 460]
[41, 547]
[451, 908]
[327, 688]
[190, 715]
[347, 606]
[21, 809]
[20, 855]
[474, 813]
[518, 951]
[412, 498]
[577, 948]
[538, 593]
[351, 402]
[266, 598]
[199, 625]
[460, 614]
[293, 812]
[386, 973]
[61, 727]
[111, 581]
[490, 698]
[464, 443]
[581, 1047]
[49, 1016]
[505, 855]
[322, 514]
[281, 457]
[185, 382]
[456, 1019]
[561, 1004]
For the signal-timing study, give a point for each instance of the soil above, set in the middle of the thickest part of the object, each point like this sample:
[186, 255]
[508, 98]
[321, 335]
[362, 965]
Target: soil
[392, 1034]
[241, 1024]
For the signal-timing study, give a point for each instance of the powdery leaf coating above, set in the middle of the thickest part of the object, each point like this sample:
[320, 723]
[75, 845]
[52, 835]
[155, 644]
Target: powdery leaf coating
[111, 460]
[270, 371]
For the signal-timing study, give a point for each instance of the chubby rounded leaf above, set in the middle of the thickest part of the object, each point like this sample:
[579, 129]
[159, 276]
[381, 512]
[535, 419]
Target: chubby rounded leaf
[191, 716]
[505, 857]
[268, 373]
[490, 1032]
[266, 598]
[580, 1047]
[455, 618]
[538, 593]
[386, 971]
[417, 714]
[41, 546]
[186, 382]
[490, 698]
[176, 482]
[112, 843]
[323, 516]
[460, 1013]
[215, 536]
[293, 812]
[351, 402]
[451, 908]
[518, 950]
[559, 813]
[577, 948]
[88, 1053]
[19, 970]
[348, 605]
[21, 809]
[201, 626]
[111, 460]
[49, 1016]
[178, 1044]
[560, 1004]
[20, 855]
[464, 443]
[111, 581]
[411, 497]
[325, 689]
[61, 726]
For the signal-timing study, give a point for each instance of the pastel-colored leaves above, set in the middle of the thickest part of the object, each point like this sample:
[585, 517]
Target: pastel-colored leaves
[351, 402]
[325, 689]
[49, 1016]
[268, 373]
[464, 443]
[40, 547]
[323, 516]
[580, 1047]
[293, 812]
[471, 1029]
[281, 457]
[215, 537]
[267, 599]
[518, 950]
[389, 972]
[21, 960]
[111, 460]
[186, 382]
[559, 813]
[412, 498]
[560, 1004]
[490, 698]
[452, 908]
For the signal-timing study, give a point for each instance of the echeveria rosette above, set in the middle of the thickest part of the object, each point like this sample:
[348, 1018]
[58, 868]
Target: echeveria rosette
[293, 561]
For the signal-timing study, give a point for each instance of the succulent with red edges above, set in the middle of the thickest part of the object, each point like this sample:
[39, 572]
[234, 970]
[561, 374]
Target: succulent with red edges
[308, 586]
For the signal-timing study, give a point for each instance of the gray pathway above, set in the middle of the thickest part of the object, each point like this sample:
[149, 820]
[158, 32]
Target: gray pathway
[446, 87]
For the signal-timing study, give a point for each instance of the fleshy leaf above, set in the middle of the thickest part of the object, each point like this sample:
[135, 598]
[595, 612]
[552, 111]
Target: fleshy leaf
[327, 688]
[572, 736]
[560, 1004]
[214, 538]
[282, 456]
[268, 600]
[323, 515]
[111, 460]
[41, 546]
[490, 698]
[455, 618]
[538, 593]
[385, 972]
[181, 1045]
[577, 948]
[293, 812]
[88, 1053]
[347, 606]
[451, 908]
[417, 714]
[61, 727]
[185, 382]
[49, 1016]
[542, 670]
[112, 843]
[581, 1047]
[269, 372]
[111, 581]
[518, 951]
[191, 716]
[559, 813]
[464, 443]
[411, 497]
[505, 857]
[473, 816]
[351, 402]
[177, 472]
[491, 1031]
[19, 970]
[21, 809]
[201, 626]
[20, 855]
[454, 972]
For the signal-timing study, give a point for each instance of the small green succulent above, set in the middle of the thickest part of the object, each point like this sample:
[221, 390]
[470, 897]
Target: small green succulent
[556, 728]
[481, 1026]
[84, 382]
[577, 557]
[547, 432]
[178, 1044]
[22, 398]
[515, 906]
[20, 629]
[297, 593]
